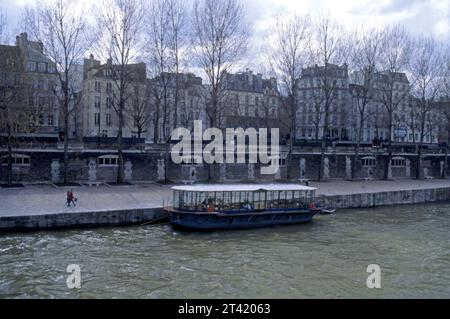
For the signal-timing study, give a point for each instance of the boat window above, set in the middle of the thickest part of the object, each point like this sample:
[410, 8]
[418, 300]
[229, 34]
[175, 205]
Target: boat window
[269, 200]
[219, 200]
[289, 199]
[176, 201]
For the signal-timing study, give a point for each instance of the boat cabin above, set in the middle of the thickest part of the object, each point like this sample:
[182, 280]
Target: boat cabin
[242, 197]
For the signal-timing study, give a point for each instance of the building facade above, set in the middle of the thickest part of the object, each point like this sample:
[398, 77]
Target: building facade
[321, 90]
[100, 99]
[37, 111]
[249, 100]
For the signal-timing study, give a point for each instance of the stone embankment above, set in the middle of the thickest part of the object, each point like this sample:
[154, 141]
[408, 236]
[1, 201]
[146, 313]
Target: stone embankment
[42, 207]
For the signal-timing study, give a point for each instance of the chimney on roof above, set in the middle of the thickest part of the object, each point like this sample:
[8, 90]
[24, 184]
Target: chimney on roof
[22, 40]
[40, 47]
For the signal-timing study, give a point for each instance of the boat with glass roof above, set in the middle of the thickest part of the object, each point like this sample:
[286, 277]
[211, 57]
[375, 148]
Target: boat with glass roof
[230, 206]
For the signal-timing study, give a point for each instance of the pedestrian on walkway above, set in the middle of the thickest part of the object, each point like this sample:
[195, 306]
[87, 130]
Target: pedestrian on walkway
[72, 197]
[69, 198]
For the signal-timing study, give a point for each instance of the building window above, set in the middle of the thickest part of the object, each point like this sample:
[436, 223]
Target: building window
[42, 67]
[41, 102]
[108, 160]
[109, 87]
[108, 119]
[31, 67]
[50, 121]
[17, 160]
[369, 162]
[108, 102]
[97, 86]
[97, 119]
[98, 101]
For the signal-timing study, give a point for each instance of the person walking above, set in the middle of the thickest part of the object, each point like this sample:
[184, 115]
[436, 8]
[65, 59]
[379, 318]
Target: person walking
[69, 199]
[72, 197]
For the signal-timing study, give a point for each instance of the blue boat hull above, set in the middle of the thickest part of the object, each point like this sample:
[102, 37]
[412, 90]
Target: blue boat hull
[212, 221]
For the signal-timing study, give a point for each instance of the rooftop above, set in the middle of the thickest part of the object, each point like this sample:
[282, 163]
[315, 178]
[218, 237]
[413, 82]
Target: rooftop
[242, 187]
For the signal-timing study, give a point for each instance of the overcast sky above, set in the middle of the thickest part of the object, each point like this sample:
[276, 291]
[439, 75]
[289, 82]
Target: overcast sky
[418, 16]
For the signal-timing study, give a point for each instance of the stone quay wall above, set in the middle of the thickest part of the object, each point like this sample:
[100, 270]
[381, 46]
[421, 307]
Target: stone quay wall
[83, 219]
[139, 165]
[389, 198]
[154, 215]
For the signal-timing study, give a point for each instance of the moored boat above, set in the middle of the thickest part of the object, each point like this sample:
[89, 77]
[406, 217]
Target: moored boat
[226, 206]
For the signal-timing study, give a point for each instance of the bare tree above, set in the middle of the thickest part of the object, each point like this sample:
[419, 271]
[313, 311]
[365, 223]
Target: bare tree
[11, 97]
[178, 37]
[158, 45]
[62, 27]
[121, 21]
[287, 56]
[445, 110]
[330, 46]
[365, 60]
[166, 34]
[3, 25]
[427, 71]
[139, 112]
[395, 54]
[219, 39]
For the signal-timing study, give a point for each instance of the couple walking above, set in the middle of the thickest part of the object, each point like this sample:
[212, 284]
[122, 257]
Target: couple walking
[71, 198]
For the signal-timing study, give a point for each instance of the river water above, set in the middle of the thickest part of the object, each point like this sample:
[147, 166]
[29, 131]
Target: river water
[325, 259]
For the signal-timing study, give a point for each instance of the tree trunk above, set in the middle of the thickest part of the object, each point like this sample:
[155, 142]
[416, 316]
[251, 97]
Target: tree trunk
[156, 126]
[389, 156]
[419, 158]
[323, 144]
[356, 155]
[10, 154]
[66, 142]
[444, 170]
[119, 144]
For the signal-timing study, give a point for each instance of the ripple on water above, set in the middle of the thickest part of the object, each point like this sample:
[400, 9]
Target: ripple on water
[327, 258]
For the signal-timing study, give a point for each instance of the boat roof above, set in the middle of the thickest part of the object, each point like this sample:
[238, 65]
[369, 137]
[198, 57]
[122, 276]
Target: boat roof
[242, 187]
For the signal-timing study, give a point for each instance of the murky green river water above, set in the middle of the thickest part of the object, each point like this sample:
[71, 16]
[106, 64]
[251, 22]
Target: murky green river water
[327, 258]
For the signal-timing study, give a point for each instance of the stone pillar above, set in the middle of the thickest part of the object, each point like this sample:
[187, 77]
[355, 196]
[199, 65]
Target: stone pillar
[425, 172]
[128, 171]
[442, 163]
[251, 171]
[326, 168]
[302, 169]
[408, 168]
[389, 170]
[348, 168]
[223, 172]
[92, 170]
[161, 173]
[55, 170]
[369, 173]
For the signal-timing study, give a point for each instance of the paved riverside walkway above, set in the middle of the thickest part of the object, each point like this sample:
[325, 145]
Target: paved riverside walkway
[47, 199]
